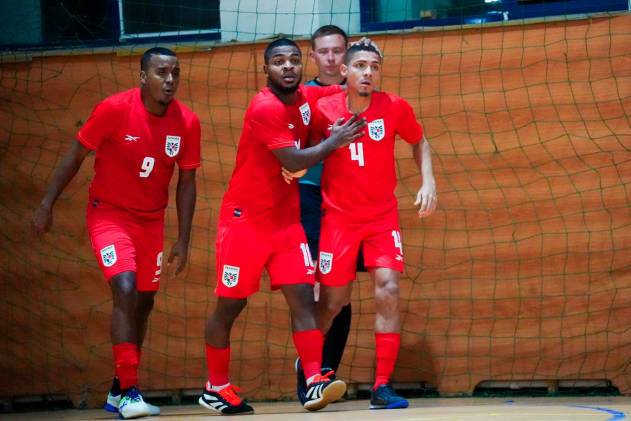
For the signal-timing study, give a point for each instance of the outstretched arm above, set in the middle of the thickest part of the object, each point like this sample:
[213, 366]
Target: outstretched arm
[185, 197]
[426, 196]
[67, 169]
[342, 134]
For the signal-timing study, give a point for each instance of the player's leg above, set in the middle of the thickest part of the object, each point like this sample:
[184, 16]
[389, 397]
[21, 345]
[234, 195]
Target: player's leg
[114, 249]
[383, 253]
[238, 276]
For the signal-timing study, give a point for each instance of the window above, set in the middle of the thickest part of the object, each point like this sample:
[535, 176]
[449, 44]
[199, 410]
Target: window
[164, 18]
[399, 14]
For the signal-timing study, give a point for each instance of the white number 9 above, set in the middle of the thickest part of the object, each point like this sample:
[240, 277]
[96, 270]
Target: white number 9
[146, 167]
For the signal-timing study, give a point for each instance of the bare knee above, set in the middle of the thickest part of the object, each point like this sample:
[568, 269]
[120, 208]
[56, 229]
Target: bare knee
[386, 289]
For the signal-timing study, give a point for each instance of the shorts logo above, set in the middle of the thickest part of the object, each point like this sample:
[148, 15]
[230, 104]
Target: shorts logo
[230, 276]
[108, 256]
[325, 262]
[172, 145]
[376, 130]
[305, 113]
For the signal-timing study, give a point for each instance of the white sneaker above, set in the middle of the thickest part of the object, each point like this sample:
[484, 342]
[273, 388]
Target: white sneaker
[111, 405]
[132, 405]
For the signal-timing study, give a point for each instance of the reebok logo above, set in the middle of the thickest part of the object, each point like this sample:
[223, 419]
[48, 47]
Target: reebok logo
[130, 138]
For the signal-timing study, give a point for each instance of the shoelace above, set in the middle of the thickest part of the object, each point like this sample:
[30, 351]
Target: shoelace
[230, 394]
[323, 378]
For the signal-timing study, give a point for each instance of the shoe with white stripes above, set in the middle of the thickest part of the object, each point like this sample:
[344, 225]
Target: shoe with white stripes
[226, 401]
[322, 391]
[114, 397]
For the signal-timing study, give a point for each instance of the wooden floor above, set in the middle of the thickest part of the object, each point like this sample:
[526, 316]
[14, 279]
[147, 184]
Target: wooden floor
[457, 409]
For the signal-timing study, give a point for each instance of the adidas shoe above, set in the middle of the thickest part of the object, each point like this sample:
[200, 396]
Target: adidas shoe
[386, 398]
[132, 405]
[226, 401]
[114, 397]
[322, 391]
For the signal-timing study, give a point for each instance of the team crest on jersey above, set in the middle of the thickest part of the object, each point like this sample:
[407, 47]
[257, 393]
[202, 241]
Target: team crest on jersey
[230, 276]
[305, 113]
[108, 256]
[325, 262]
[172, 145]
[376, 130]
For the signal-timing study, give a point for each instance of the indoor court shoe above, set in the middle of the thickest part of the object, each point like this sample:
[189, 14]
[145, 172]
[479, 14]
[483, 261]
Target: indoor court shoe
[322, 391]
[132, 405]
[114, 397]
[225, 401]
[386, 398]
[301, 382]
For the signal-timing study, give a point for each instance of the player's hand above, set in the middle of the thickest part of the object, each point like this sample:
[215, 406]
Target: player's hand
[179, 250]
[346, 132]
[427, 199]
[288, 175]
[42, 220]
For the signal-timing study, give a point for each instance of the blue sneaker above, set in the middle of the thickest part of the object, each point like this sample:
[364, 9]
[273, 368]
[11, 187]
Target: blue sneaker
[132, 405]
[114, 397]
[386, 398]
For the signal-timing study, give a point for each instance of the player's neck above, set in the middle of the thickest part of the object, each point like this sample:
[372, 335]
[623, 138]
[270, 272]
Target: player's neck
[152, 106]
[330, 80]
[356, 103]
[286, 97]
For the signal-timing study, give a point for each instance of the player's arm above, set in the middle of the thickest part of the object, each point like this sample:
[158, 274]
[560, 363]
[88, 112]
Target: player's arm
[185, 198]
[67, 169]
[426, 197]
[342, 134]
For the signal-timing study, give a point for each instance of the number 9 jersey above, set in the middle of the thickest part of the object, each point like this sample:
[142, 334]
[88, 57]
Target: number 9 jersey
[136, 151]
[358, 181]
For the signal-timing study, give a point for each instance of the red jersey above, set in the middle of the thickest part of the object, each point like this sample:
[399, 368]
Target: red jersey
[136, 151]
[358, 181]
[257, 191]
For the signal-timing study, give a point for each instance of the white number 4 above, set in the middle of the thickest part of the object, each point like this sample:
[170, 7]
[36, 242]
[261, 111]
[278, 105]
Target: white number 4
[146, 167]
[357, 153]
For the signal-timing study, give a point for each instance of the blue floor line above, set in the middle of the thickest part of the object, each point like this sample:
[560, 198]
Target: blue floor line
[617, 415]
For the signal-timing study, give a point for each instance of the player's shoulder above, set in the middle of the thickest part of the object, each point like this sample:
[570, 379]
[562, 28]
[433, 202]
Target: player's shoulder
[184, 111]
[266, 104]
[120, 100]
[335, 101]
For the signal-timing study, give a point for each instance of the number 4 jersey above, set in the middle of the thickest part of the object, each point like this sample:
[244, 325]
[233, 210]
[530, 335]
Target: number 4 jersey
[136, 151]
[358, 181]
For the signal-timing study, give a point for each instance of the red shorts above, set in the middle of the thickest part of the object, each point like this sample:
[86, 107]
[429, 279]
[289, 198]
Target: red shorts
[122, 242]
[245, 248]
[340, 244]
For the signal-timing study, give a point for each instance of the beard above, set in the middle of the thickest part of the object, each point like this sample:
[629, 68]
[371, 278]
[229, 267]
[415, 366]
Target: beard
[364, 93]
[285, 89]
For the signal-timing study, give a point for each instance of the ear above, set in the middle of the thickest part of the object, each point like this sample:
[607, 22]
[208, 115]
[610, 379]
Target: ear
[265, 68]
[344, 70]
[143, 77]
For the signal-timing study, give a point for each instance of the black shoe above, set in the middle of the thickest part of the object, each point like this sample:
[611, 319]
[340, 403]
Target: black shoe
[226, 401]
[322, 391]
[386, 398]
[301, 382]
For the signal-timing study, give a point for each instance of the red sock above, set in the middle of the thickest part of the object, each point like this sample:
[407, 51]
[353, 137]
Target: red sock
[309, 346]
[218, 363]
[126, 364]
[386, 350]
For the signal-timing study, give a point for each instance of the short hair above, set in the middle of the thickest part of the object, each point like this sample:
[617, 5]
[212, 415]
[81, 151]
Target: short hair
[355, 48]
[327, 30]
[155, 51]
[281, 42]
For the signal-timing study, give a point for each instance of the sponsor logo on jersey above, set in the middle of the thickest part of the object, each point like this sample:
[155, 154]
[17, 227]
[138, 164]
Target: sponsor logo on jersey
[230, 276]
[108, 255]
[172, 145]
[376, 130]
[325, 262]
[130, 138]
[305, 113]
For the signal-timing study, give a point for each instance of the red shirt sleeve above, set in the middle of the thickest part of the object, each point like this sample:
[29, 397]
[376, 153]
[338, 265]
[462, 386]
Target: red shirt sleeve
[313, 93]
[100, 125]
[268, 122]
[191, 155]
[407, 126]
